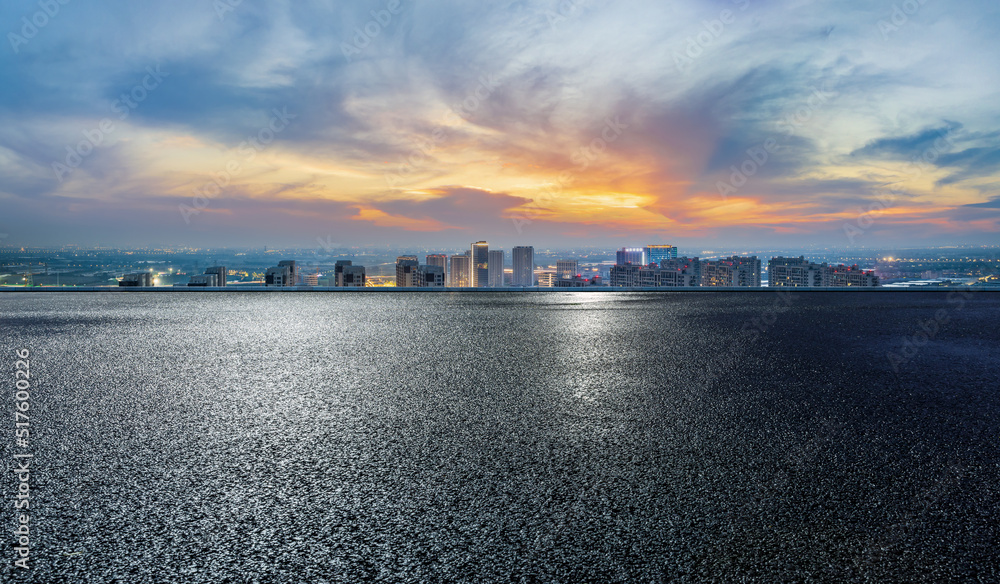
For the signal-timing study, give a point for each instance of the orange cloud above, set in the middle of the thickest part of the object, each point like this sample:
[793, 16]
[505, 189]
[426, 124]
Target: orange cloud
[383, 219]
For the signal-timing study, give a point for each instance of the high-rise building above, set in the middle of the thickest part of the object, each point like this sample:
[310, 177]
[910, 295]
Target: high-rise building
[220, 273]
[460, 271]
[567, 269]
[406, 271]
[654, 254]
[439, 260]
[479, 271]
[430, 276]
[524, 266]
[351, 277]
[495, 269]
[733, 272]
[630, 255]
[547, 279]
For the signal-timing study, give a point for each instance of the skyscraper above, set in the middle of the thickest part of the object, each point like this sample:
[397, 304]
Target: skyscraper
[406, 271]
[460, 268]
[630, 255]
[524, 266]
[657, 253]
[495, 279]
[480, 254]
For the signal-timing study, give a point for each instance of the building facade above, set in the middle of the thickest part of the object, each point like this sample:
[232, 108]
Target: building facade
[567, 269]
[797, 272]
[851, 276]
[430, 277]
[639, 276]
[293, 271]
[204, 281]
[495, 269]
[351, 277]
[280, 276]
[406, 271]
[732, 272]
[524, 266]
[220, 275]
[654, 254]
[460, 268]
[338, 271]
[547, 279]
[479, 270]
[630, 255]
[440, 260]
[136, 280]
[800, 273]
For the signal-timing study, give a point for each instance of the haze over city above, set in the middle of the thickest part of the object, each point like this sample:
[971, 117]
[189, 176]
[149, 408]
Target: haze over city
[704, 124]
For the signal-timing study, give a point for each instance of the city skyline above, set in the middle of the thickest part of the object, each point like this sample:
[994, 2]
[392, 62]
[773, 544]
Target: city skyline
[714, 124]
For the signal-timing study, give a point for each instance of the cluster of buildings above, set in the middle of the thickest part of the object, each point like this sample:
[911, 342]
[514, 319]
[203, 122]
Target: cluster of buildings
[732, 272]
[800, 273]
[479, 267]
[652, 266]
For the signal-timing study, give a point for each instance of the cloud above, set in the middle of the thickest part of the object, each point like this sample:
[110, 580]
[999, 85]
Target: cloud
[847, 106]
[910, 146]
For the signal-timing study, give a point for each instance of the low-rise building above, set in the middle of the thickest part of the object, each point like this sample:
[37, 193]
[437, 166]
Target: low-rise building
[220, 273]
[204, 280]
[547, 279]
[136, 280]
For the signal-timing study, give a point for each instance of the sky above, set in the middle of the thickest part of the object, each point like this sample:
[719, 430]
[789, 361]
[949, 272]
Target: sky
[300, 123]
